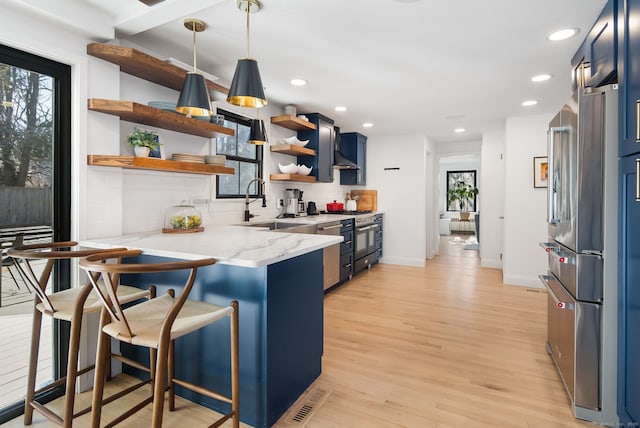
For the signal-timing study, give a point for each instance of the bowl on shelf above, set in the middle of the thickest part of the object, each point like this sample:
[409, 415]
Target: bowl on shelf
[304, 170]
[292, 168]
[294, 141]
[217, 119]
[163, 105]
[215, 159]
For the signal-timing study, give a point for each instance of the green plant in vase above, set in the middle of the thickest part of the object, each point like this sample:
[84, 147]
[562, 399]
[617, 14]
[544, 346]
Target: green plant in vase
[143, 141]
[463, 193]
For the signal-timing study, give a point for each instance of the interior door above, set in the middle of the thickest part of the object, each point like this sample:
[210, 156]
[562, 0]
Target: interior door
[35, 189]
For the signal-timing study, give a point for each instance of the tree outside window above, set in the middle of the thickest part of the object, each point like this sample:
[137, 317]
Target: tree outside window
[244, 158]
[455, 177]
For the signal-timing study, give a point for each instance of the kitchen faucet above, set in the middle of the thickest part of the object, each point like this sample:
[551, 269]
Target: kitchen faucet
[247, 216]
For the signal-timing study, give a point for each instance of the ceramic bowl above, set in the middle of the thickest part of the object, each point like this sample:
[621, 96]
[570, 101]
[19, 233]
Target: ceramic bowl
[304, 170]
[294, 141]
[288, 169]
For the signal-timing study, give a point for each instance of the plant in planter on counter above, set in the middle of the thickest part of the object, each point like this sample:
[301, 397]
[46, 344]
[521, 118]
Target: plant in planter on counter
[143, 141]
[463, 193]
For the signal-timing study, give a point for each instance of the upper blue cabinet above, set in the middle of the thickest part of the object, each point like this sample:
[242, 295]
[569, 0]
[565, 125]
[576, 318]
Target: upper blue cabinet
[596, 62]
[321, 140]
[353, 146]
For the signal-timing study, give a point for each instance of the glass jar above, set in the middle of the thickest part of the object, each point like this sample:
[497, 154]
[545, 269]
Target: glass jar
[183, 218]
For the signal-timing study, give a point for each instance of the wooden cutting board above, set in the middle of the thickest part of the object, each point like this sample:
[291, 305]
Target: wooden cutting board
[367, 201]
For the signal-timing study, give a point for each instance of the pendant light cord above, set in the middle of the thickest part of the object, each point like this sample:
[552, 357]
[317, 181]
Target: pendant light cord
[248, 13]
[193, 27]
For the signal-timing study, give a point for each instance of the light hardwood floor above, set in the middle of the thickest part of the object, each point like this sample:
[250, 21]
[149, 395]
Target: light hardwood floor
[443, 346]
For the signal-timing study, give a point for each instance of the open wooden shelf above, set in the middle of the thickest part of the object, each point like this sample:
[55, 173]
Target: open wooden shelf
[140, 64]
[140, 113]
[291, 149]
[293, 177]
[155, 164]
[293, 123]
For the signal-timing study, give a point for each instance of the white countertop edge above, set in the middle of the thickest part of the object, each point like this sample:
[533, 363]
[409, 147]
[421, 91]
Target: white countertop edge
[254, 247]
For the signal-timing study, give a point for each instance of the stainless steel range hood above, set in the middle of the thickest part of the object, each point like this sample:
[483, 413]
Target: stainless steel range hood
[341, 162]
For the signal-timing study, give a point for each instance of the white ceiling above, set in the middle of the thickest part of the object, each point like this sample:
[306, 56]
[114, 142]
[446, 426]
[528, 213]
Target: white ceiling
[407, 66]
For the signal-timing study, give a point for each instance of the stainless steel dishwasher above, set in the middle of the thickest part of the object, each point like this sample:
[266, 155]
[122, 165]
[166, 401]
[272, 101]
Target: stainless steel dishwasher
[330, 255]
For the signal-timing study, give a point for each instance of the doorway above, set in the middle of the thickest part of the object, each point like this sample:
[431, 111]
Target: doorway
[35, 206]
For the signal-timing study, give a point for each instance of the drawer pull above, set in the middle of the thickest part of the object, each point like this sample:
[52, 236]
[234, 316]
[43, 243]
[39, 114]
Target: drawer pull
[348, 265]
[638, 121]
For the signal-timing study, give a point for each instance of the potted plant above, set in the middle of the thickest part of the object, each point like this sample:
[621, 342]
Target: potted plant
[143, 141]
[463, 193]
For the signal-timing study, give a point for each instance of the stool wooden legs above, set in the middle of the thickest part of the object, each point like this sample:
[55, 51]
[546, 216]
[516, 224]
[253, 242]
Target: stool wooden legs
[102, 359]
[33, 365]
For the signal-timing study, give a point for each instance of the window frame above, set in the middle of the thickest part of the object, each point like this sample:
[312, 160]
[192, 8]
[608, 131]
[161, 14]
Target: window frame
[259, 160]
[446, 196]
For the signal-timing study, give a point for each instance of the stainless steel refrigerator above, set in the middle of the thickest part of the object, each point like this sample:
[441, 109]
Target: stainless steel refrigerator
[582, 250]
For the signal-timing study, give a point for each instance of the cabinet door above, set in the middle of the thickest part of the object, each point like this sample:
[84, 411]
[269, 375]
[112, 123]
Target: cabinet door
[601, 47]
[354, 146]
[629, 293]
[629, 75]
[321, 140]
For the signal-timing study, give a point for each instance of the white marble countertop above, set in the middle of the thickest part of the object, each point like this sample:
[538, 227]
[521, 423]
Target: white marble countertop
[232, 245]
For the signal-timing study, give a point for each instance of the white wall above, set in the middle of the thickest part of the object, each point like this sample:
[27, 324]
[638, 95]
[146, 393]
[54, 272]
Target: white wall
[402, 194]
[525, 207]
[492, 182]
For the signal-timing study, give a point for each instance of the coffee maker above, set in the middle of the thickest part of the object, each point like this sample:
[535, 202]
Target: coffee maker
[291, 202]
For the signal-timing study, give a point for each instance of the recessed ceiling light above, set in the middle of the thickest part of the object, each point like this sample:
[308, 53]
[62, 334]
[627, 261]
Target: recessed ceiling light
[541, 77]
[529, 103]
[367, 125]
[459, 130]
[563, 34]
[298, 82]
[340, 108]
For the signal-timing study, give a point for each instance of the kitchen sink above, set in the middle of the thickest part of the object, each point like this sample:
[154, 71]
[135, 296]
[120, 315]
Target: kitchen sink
[284, 226]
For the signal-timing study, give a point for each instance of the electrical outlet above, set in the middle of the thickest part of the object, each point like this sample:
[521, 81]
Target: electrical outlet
[281, 202]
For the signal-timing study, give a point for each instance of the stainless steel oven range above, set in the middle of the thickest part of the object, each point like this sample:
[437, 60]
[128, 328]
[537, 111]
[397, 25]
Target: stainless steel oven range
[365, 241]
[582, 251]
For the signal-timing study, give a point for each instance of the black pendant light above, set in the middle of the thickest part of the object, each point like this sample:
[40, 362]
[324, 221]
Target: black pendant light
[194, 97]
[258, 135]
[246, 87]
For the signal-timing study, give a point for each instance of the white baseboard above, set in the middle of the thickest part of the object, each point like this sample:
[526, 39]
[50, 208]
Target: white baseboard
[491, 263]
[404, 262]
[524, 281]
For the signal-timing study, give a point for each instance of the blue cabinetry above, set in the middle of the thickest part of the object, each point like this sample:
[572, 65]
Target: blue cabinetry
[629, 294]
[322, 141]
[595, 63]
[346, 250]
[378, 239]
[629, 225]
[353, 145]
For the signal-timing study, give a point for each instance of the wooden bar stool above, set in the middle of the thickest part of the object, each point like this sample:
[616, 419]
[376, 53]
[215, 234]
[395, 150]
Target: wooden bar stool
[156, 324]
[69, 305]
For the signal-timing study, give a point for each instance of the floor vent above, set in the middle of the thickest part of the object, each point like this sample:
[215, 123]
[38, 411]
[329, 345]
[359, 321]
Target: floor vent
[307, 405]
[534, 290]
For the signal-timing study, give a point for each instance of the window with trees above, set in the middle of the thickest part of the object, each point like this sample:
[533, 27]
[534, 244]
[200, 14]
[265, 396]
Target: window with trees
[461, 195]
[244, 157]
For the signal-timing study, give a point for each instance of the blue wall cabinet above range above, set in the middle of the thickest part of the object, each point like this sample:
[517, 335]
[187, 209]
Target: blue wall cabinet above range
[353, 145]
[322, 141]
[598, 53]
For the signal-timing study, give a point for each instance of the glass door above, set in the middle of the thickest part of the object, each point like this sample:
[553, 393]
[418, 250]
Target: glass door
[35, 187]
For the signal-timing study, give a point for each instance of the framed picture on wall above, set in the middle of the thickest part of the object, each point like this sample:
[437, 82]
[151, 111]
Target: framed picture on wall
[540, 171]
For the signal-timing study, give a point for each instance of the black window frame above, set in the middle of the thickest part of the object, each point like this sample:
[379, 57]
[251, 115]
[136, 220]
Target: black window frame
[259, 160]
[446, 196]
[61, 181]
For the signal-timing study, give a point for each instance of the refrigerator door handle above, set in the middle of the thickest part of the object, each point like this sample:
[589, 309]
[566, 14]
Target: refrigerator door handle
[559, 303]
[551, 185]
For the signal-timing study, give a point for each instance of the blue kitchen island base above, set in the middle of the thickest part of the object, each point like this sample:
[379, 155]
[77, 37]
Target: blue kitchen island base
[281, 333]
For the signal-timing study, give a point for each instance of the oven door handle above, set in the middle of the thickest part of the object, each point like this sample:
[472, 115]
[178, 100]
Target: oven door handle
[559, 303]
[362, 229]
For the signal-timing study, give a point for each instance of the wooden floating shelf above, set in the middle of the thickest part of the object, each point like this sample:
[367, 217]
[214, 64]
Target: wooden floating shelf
[291, 149]
[155, 164]
[293, 123]
[140, 64]
[293, 177]
[140, 113]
